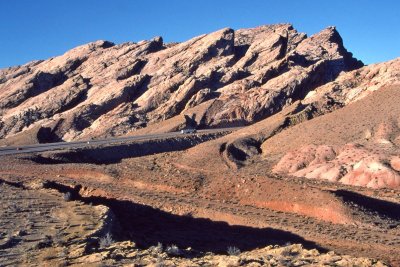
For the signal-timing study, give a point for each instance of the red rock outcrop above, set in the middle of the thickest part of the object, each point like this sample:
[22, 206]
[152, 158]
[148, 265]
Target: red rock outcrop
[351, 164]
[357, 144]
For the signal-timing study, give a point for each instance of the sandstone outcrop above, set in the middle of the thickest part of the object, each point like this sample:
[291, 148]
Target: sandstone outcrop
[102, 89]
[359, 107]
[351, 164]
[352, 86]
[357, 144]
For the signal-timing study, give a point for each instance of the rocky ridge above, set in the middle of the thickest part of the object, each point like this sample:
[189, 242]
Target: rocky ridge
[223, 78]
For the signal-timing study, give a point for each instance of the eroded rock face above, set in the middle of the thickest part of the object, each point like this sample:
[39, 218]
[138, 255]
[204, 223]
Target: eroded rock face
[355, 85]
[351, 164]
[102, 89]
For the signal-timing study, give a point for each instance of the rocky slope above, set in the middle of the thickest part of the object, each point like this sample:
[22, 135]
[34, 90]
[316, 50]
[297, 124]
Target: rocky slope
[359, 107]
[317, 116]
[357, 145]
[223, 78]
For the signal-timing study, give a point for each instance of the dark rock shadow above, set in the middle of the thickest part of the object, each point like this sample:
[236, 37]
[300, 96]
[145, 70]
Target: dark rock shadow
[147, 226]
[383, 208]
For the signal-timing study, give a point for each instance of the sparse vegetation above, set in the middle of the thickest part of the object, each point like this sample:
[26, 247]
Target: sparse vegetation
[106, 241]
[173, 250]
[67, 196]
[157, 252]
[45, 243]
[157, 249]
[58, 239]
[286, 251]
[63, 252]
[233, 251]
[14, 208]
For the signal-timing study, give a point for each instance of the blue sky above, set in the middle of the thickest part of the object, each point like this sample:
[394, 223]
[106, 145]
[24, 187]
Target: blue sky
[44, 28]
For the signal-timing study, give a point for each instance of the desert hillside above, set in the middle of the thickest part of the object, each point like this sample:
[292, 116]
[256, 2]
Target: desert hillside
[291, 155]
[357, 113]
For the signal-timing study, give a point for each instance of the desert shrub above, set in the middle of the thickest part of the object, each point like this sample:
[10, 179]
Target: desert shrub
[14, 208]
[286, 251]
[157, 249]
[67, 196]
[106, 241]
[45, 243]
[160, 262]
[233, 251]
[173, 250]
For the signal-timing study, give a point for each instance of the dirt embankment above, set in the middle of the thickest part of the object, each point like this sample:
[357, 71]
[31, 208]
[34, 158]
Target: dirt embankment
[114, 153]
[62, 231]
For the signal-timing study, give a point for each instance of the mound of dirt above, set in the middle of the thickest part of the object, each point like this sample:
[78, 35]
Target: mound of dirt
[350, 164]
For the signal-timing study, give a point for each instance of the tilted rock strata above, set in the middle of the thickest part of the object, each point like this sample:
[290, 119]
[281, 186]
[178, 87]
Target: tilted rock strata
[355, 85]
[102, 89]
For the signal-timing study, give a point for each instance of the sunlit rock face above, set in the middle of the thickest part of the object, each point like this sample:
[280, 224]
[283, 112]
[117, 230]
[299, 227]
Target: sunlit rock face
[101, 89]
[350, 164]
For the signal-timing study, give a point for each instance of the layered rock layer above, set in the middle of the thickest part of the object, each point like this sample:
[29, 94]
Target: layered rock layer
[101, 89]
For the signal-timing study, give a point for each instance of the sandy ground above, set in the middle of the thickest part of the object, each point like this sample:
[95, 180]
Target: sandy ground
[158, 199]
[195, 199]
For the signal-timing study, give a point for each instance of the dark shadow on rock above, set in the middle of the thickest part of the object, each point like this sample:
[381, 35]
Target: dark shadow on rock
[190, 121]
[243, 149]
[147, 226]
[47, 135]
[240, 51]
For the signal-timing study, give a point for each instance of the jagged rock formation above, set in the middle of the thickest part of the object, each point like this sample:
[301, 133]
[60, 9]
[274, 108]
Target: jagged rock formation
[352, 86]
[102, 89]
